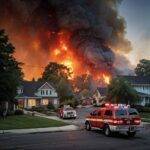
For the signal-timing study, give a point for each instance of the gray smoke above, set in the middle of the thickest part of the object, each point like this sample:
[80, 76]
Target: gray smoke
[97, 30]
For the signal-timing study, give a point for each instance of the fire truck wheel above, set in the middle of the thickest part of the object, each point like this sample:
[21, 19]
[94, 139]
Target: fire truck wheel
[107, 131]
[87, 126]
[131, 134]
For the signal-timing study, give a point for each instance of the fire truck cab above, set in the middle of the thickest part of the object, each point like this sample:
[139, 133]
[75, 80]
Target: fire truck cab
[114, 118]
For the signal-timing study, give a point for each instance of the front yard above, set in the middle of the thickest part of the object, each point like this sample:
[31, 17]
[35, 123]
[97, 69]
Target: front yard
[26, 122]
[145, 116]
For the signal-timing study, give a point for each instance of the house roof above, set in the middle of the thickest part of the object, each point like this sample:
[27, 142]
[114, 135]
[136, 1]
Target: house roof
[137, 79]
[30, 87]
[102, 91]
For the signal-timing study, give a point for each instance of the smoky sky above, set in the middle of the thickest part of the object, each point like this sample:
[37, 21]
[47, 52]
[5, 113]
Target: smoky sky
[97, 30]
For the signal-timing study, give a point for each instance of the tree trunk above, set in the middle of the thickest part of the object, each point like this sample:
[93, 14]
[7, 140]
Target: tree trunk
[4, 105]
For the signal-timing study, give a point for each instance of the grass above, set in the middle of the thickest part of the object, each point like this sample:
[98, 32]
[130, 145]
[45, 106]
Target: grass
[145, 116]
[26, 122]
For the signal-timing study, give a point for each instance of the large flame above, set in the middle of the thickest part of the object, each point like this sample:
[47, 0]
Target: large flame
[63, 53]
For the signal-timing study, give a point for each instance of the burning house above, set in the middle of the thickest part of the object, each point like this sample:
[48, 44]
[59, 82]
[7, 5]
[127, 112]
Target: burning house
[88, 36]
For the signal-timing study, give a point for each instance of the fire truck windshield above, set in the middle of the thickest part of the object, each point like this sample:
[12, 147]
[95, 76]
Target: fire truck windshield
[121, 112]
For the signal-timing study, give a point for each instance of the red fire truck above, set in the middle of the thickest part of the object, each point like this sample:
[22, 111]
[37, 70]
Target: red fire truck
[114, 118]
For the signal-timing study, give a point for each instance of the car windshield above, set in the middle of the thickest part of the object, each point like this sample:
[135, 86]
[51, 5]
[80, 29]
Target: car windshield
[132, 111]
[121, 112]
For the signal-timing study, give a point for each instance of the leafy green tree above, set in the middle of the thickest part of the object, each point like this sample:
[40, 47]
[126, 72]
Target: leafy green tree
[54, 72]
[58, 75]
[10, 71]
[120, 91]
[143, 68]
[64, 89]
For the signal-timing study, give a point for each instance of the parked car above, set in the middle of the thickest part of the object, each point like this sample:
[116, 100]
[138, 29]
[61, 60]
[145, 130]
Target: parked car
[114, 118]
[67, 112]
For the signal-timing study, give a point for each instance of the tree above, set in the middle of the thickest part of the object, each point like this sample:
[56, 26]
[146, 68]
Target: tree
[10, 71]
[54, 72]
[64, 89]
[58, 75]
[120, 91]
[143, 68]
[84, 82]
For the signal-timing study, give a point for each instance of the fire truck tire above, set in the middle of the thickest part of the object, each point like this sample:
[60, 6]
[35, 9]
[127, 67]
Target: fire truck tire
[87, 126]
[131, 134]
[107, 131]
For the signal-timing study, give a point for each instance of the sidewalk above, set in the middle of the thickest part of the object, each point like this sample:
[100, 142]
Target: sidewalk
[47, 129]
[40, 130]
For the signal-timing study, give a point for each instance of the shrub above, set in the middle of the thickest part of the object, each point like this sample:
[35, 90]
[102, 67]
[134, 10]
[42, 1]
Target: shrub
[72, 102]
[19, 112]
[146, 109]
[139, 108]
[50, 106]
[38, 108]
[147, 105]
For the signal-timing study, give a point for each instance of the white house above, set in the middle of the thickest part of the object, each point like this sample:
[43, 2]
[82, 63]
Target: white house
[35, 93]
[142, 86]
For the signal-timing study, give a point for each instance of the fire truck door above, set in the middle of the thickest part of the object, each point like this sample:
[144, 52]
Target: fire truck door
[93, 118]
[99, 122]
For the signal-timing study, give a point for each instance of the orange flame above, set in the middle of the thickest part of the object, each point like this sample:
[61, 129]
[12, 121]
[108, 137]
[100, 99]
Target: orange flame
[106, 79]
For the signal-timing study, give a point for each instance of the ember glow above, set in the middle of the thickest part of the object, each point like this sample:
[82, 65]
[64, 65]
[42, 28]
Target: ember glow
[75, 33]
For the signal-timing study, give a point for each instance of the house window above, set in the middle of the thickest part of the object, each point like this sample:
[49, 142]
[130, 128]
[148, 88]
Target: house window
[31, 102]
[46, 92]
[50, 92]
[44, 101]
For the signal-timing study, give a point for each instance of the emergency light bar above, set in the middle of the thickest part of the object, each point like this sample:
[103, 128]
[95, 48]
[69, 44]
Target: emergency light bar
[117, 105]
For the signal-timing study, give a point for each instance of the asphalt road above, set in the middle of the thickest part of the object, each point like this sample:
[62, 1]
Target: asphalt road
[75, 140]
[81, 114]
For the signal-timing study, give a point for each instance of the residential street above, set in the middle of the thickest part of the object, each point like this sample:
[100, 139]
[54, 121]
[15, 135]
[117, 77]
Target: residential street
[75, 140]
[81, 114]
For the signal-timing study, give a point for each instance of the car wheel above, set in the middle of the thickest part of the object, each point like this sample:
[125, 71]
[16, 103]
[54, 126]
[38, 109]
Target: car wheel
[131, 134]
[107, 131]
[87, 126]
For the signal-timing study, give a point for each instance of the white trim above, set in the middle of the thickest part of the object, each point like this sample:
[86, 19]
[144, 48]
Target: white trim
[51, 87]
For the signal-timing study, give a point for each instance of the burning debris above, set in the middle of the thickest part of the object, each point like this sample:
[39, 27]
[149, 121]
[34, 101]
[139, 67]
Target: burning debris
[81, 34]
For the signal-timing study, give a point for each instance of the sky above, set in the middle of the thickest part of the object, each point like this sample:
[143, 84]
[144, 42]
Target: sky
[137, 16]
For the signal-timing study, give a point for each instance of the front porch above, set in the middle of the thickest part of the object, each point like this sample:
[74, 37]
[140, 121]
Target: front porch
[30, 102]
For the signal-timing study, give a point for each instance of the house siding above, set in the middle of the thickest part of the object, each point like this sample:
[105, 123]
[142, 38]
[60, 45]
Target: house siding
[36, 94]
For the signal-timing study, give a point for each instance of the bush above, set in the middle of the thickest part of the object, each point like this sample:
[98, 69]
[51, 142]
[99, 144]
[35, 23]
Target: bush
[146, 109]
[38, 108]
[139, 108]
[50, 106]
[72, 102]
[147, 105]
[19, 112]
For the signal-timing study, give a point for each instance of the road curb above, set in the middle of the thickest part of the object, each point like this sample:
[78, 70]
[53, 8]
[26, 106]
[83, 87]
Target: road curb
[40, 130]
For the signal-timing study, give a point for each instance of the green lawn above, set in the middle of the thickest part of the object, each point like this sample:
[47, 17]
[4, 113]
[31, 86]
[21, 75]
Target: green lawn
[145, 116]
[26, 122]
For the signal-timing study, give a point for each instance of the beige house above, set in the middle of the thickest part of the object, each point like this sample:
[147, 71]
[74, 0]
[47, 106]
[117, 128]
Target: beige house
[35, 93]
